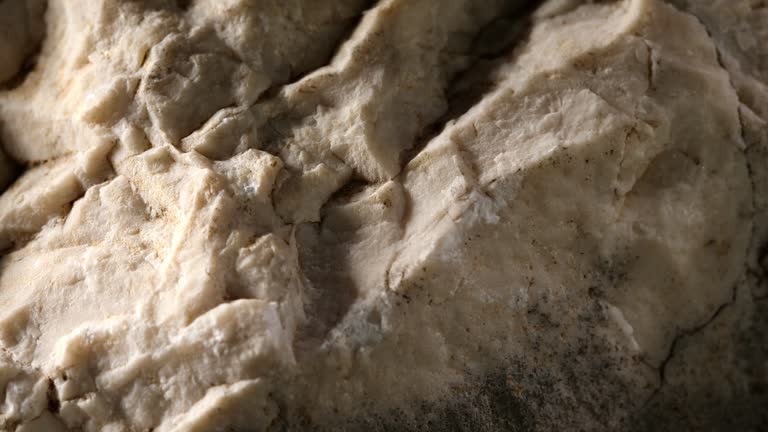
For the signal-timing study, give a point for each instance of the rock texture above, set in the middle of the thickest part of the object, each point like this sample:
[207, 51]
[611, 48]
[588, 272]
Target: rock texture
[401, 215]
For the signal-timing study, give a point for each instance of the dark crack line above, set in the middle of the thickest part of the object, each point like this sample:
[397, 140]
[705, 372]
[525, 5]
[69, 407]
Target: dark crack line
[750, 247]
[753, 243]
[662, 368]
[652, 64]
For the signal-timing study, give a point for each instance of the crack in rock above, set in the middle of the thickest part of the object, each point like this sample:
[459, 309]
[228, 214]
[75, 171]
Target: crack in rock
[699, 328]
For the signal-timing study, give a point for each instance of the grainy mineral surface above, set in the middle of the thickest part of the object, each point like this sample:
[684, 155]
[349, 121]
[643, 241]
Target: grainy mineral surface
[458, 215]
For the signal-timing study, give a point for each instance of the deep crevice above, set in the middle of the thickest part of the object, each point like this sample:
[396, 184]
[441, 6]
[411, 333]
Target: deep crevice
[184, 5]
[331, 291]
[346, 192]
[494, 45]
[53, 397]
[323, 264]
[31, 59]
[13, 170]
[26, 69]
[651, 67]
[277, 128]
[343, 37]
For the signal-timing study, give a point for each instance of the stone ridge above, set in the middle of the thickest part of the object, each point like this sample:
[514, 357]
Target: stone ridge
[401, 215]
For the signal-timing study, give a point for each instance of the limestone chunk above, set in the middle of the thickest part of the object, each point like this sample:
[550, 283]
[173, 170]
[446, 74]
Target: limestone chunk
[395, 215]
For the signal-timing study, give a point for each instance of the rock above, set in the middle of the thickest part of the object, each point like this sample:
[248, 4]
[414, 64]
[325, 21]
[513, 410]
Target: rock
[407, 215]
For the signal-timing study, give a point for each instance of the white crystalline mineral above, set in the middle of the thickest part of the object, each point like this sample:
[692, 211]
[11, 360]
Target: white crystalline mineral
[467, 215]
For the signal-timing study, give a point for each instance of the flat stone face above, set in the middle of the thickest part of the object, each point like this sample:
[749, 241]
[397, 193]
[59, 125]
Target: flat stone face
[392, 215]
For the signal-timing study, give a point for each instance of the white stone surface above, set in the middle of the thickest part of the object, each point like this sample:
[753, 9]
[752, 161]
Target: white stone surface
[271, 214]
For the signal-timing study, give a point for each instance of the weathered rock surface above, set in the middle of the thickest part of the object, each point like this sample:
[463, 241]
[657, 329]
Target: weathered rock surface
[401, 215]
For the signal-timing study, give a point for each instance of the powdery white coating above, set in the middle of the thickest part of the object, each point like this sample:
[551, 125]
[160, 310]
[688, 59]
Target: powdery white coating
[217, 231]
